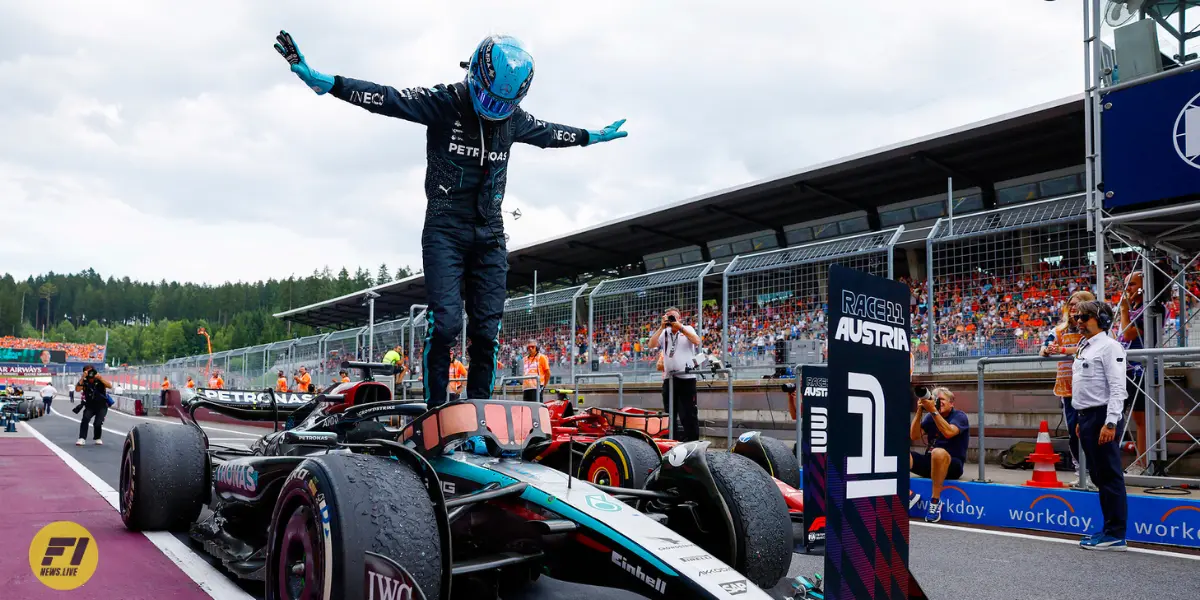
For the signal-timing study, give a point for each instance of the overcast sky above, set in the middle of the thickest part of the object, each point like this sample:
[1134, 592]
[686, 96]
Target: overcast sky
[168, 140]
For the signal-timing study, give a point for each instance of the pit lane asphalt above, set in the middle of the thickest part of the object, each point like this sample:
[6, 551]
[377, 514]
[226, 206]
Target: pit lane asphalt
[949, 561]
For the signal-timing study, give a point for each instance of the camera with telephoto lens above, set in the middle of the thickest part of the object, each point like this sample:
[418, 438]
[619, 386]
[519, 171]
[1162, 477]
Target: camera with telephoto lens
[789, 388]
[922, 393]
[670, 318]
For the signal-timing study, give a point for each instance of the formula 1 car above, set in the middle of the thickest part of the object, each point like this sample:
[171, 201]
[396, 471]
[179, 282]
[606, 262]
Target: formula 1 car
[14, 403]
[622, 447]
[337, 505]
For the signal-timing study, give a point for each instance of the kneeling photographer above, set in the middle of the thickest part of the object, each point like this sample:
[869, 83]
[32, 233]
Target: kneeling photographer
[947, 432]
[94, 405]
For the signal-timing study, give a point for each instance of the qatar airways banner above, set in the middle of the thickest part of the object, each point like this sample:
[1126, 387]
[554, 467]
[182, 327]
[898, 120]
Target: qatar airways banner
[23, 370]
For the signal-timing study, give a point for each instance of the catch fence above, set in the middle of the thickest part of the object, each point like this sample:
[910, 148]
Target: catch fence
[550, 319]
[622, 313]
[774, 303]
[999, 280]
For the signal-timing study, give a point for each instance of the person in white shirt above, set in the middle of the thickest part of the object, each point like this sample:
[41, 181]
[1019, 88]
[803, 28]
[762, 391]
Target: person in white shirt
[1098, 397]
[679, 345]
[48, 394]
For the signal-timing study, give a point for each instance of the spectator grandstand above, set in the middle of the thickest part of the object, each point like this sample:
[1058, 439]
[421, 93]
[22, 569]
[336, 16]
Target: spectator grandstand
[75, 352]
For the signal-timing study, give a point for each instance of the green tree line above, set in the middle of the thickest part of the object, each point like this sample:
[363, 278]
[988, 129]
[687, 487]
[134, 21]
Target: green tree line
[150, 322]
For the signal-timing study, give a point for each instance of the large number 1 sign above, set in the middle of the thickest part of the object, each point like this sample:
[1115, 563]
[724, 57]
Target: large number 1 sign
[873, 459]
[866, 484]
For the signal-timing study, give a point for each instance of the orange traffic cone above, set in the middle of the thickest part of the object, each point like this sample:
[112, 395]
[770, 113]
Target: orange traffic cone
[1044, 458]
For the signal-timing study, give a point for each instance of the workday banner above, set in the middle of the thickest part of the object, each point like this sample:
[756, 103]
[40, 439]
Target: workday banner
[1155, 520]
[1151, 140]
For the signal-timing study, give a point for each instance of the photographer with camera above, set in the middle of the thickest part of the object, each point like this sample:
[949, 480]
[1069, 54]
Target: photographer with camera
[679, 346]
[947, 433]
[94, 389]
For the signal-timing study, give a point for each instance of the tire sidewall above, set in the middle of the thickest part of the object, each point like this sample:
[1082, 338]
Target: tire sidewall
[310, 486]
[620, 451]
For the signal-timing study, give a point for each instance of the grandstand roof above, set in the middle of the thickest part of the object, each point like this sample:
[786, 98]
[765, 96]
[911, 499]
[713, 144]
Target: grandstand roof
[1037, 139]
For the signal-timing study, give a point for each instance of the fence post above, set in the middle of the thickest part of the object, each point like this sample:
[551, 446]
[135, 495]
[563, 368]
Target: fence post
[726, 352]
[980, 366]
[930, 316]
[574, 348]
[592, 328]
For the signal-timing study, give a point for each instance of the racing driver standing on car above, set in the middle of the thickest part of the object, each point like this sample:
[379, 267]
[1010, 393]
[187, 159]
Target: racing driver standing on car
[471, 126]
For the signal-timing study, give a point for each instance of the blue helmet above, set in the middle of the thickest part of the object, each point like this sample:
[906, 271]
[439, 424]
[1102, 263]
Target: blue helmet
[498, 75]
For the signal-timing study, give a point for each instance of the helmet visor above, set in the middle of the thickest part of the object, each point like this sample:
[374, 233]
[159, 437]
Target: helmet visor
[491, 105]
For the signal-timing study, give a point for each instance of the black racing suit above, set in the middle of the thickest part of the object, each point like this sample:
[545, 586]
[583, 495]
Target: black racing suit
[462, 244]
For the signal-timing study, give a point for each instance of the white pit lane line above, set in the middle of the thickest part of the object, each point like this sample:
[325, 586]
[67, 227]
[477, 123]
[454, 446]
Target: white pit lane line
[210, 580]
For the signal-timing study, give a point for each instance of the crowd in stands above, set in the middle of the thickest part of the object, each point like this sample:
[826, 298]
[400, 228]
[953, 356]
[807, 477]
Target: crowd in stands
[979, 313]
[74, 352]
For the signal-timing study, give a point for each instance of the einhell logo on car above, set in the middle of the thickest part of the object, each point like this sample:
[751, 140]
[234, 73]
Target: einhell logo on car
[880, 322]
[386, 580]
[660, 585]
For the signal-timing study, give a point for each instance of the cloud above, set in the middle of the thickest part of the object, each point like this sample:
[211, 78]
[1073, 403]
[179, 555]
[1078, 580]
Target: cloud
[173, 142]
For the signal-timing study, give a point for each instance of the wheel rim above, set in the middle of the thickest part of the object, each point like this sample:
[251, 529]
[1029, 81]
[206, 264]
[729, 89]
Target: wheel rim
[127, 484]
[604, 471]
[299, 576]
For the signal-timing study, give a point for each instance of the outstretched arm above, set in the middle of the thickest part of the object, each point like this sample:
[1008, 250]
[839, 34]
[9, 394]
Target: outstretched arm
[420, 105]
[544, 134]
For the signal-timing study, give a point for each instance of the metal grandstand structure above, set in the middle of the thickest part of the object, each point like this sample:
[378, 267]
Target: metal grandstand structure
[763, 293]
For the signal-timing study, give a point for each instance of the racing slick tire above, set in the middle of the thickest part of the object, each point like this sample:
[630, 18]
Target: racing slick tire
[770, 454]
[164, 477]
[618, 461]
[335, 508]
[759, 515]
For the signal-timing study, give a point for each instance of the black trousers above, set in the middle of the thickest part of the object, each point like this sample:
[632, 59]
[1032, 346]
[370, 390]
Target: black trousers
[687, 421]
[1104, 467]
[46, 403]
[462, 258]
[531, 395]
[96, 415]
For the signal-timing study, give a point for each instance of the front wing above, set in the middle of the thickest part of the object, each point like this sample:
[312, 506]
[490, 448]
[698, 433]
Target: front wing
[615, 545]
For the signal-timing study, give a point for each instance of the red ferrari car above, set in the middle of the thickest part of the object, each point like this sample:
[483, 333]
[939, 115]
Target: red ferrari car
[621, 447]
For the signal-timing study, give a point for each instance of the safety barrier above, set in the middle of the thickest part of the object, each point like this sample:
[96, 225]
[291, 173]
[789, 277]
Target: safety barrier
[771, 302]
[1155, 406]
[620, 384]
[623, 312]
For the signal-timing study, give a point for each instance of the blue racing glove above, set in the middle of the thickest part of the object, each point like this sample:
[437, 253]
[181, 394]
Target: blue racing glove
[286, 47]
[607, 134]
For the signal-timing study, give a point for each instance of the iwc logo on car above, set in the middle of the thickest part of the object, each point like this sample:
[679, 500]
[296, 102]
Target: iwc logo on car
[63, 555]
[1187, 132]
[386, 580]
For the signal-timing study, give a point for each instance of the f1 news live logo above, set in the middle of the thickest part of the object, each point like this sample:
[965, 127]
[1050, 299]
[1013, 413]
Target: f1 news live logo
[63, 555]
[1181, 523]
